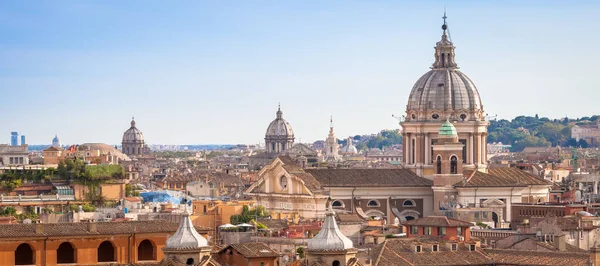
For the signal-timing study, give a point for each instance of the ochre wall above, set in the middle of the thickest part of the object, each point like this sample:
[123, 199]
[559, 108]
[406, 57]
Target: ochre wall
[86, 248]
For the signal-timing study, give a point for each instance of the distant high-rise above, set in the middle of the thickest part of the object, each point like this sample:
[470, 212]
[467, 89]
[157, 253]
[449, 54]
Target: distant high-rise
[14, 138]
[23, 142]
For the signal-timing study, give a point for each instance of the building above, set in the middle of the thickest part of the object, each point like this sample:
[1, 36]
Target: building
[287, 190]
[23, 141]
[85, 243]
[249, 254]
[444, 93]
[133, 141]
[280, 135]
[330, 246]
[439, 226]
[589, 133]
[14, 138]
[14, 155]
[349, 149]
[331, 145]
[56, 141]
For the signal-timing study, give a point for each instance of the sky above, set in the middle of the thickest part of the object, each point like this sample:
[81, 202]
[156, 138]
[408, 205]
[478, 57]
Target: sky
[213, 72]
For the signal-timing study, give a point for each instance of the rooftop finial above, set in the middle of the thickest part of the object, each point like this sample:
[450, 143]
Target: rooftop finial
[279, 113]
[330, 121]
[445, 26]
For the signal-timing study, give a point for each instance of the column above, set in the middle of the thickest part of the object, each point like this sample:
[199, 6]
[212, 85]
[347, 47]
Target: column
[427, 149]
[470, 148]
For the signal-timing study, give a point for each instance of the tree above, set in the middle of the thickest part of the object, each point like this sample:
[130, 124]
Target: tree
[582, 143]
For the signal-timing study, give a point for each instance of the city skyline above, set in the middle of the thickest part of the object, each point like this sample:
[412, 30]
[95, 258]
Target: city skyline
[203, 69]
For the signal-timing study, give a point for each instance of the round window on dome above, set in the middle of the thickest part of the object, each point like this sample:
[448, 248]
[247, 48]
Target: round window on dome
[463, 117]
[413, 116]
[435, 116]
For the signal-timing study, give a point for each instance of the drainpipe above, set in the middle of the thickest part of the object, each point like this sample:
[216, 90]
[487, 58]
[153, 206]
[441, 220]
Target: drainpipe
[44, 254]
[352, 200]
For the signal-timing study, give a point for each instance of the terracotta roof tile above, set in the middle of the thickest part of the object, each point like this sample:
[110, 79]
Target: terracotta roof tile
[253, 250]
[501, 177]
[369, 178]
[102, 228]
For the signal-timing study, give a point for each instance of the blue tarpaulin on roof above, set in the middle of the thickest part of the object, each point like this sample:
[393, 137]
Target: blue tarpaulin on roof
[162, 196]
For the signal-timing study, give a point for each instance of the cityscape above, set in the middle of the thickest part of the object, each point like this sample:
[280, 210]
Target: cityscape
[433, 179]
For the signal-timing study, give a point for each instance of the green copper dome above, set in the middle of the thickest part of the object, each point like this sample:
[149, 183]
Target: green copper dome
[447, 129]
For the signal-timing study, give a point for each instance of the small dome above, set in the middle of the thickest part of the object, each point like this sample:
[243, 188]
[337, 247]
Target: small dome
[349, 148]
[448, 130]
[330, 237]
[186, 236]
[133, 135]
[279, 127]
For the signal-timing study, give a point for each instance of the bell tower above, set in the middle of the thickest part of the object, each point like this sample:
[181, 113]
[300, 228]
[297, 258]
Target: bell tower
[448, 164]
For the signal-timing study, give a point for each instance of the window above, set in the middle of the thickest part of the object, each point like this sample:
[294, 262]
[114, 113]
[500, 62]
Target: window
[485, 215]
[442, 231]
[409, 203]
[463, 117]
[373, 203]
[454, 247]
[439, 165]
[435, 248]
[459, 231]
[414, 229]
[471, 247]
[427, 230]
[337, 204]
[435, 116]
[453, 165]
[335, 263]
[476, 215]
[283, 182]
[418, 248]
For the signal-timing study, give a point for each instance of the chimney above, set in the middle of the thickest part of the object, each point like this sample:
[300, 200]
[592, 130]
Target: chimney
[92, 227]
[39, 228]
[560, 243]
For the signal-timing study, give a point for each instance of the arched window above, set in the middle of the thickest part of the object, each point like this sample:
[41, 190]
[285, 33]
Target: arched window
[373, 203]
[24, 255]
[453, 165]
[443, 59]
[337, 204]
[273, 145]
[106, 252]
[409, 203]
[65, 253]
[439, 165]
[335, 263]
[146, 250]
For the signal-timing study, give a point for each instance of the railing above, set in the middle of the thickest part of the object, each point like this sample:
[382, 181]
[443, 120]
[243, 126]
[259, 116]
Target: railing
[21, 198]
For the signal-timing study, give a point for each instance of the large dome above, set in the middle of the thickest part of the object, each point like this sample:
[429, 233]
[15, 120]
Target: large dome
[133, 135]
[444, 92]
[279, 127]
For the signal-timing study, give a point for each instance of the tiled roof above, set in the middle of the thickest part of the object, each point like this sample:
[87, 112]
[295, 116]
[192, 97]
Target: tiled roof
[348, 218]
[53, 148]
[253, 250]
[81, 229]
[401, 251]
[369, 178]
[519, 257]
[438, 221]
[501, 177]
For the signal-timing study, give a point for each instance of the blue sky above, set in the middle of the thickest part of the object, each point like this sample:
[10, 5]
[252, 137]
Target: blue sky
[196, 72]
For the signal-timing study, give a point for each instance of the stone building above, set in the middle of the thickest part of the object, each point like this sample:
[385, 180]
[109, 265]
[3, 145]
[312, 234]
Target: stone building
[14, 155]
[589, 133]
[280, 135]
[444, 93]
[133, 141]
[332, 146]
[330, 246]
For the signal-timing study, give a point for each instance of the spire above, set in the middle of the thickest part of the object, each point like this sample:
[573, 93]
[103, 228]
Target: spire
[279, 113]
[444, 49]
[132, 121]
